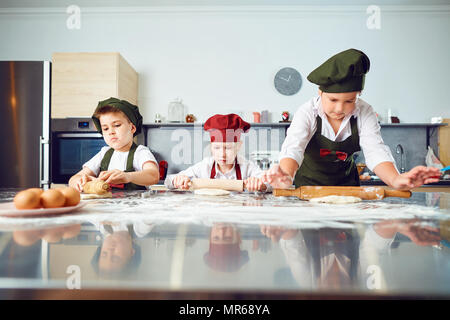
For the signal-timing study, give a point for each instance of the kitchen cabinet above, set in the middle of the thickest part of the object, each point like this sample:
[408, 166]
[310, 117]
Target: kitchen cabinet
[81, 80]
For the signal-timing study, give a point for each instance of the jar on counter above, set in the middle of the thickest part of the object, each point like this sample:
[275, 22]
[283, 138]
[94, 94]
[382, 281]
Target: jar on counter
[176, 111]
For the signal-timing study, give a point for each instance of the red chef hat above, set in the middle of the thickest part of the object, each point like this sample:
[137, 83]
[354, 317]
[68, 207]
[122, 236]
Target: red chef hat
[226, 128]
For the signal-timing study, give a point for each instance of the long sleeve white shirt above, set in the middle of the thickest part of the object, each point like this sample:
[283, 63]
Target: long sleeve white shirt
[304, 126]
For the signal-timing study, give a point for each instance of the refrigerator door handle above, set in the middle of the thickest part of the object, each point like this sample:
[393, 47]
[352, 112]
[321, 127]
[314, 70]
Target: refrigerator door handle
[43, 176]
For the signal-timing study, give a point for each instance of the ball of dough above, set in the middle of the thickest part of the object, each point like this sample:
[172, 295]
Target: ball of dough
[71, 195]
[52, 198]
[89, 196]
[212, 192]
[27, 199]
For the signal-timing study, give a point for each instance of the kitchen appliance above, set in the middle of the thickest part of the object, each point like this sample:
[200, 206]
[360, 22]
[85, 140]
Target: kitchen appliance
[25, 127]
[265, 159]
[74, 142]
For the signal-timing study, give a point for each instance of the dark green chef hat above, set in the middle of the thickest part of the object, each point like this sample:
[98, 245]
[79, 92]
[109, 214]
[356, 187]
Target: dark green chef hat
[343, 72]
[130, 110]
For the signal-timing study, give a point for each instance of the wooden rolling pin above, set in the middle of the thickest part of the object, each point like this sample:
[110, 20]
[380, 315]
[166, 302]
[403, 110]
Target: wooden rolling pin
[225, 184]
[96, 187]
[365, 193]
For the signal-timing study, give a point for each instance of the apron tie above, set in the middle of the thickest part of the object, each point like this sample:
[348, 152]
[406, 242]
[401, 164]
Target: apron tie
[341, 155]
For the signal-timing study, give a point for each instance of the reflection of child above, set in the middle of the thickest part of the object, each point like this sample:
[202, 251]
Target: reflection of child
[225, 132]
[224, 249]
[123, 164]
[325, 258]
[118, 253]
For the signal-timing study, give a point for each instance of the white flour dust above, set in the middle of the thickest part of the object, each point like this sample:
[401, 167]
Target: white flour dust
[244, 208]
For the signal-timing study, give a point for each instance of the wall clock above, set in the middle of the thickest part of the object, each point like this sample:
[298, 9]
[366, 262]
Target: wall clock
[288, 81]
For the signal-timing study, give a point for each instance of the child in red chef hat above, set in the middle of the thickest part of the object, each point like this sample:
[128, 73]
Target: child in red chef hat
[225, 163]
[225, 252]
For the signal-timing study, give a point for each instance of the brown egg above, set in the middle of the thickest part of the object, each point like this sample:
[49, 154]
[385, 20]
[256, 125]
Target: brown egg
[37, 190]
[27, 199]
[26, 237]
[53, 235]
[72, 196]
[52, 198]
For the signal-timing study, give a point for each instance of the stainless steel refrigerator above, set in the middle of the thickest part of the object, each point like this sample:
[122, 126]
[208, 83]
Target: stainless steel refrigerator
[25, 124]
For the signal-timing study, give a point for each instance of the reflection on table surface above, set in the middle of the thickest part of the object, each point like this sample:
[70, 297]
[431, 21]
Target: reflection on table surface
[403, 255]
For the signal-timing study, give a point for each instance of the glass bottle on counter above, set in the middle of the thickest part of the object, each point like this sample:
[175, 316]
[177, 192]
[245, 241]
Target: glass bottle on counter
[176, 111]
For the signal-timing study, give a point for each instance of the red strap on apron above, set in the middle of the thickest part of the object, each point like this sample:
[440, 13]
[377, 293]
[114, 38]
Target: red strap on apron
[236, 167]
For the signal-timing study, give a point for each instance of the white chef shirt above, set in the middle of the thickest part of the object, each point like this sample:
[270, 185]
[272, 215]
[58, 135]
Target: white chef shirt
[119, 159]
[203, 168]
[304, 126]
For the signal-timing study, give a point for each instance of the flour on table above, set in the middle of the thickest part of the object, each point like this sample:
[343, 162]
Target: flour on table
[336, 199]
[211, 192]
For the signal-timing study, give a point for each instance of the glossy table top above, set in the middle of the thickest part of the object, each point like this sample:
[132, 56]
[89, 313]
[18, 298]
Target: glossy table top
[244, 243]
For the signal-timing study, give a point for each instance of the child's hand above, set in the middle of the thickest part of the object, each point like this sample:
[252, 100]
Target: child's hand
[79, 181]
[115, 176]
[254, 184]
[416, 177]
[420, 234]
[276, 233]
[181, 182]
[277, 178]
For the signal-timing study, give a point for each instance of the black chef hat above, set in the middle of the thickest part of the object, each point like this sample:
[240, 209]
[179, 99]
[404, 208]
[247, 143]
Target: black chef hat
[343, 72]
[130, 110]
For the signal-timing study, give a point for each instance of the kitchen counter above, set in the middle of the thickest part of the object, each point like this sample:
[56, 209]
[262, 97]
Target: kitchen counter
[166, 245]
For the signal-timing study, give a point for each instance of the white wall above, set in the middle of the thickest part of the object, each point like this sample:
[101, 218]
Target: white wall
[221, 60]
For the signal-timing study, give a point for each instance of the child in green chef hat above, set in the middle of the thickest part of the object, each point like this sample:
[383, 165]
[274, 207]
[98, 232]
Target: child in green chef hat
[327, 130]
[122, 163]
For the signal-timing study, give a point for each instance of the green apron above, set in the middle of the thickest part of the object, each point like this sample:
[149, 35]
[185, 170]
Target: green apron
[329, 163]
[322, 242]
[107, 159]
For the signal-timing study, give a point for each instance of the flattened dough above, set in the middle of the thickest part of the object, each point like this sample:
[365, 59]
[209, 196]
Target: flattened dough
[158, 187]
[88, 196]
[212, 192]
[336, 199]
